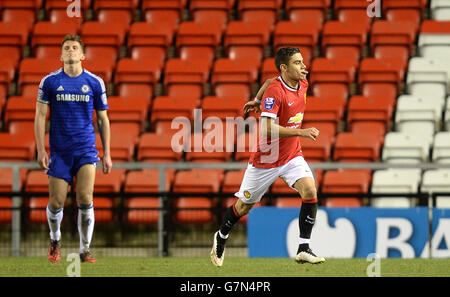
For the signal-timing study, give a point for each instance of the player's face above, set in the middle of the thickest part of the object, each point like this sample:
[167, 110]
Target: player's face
[72, 52]
[296, 70]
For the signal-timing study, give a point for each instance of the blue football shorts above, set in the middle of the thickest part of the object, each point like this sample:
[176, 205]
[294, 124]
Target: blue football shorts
[66, 166]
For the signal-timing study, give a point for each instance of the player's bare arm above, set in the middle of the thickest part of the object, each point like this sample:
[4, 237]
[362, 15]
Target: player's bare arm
[39, 132]
[268, 125]
[104, 129]
[255, 105]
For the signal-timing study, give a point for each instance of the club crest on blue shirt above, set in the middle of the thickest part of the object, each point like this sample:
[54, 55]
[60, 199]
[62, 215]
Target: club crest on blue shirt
[268, 103]
[85, 88]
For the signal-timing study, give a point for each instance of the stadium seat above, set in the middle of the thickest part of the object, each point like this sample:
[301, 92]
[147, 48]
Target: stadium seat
[299, 10]
[345, 181]
[101, 67]
[319, 150]
[392, 33]
[195, 39]
[163, 11]
[440, 10]
[427, 75]
[324, 109]
[102, 39]
[7, 73]
[325, 70]
[434, 39]
[130, 128]
[194, 210]
[118, 11]
[413, 16]
[436, 181]
[139, 75]
[17, 147]
[19, 109]
[441, 147]
[232, 181]
[32, 71]
[210, 11]
[222, 107]
[181, 74]
[168, 108]
[251, 36]
[146, 40]
[269, 70]
[143, 210]
[395, 181]
[111, 182]
[128, 109]
[405, 147]
[245, 145]
[47, 36]
[419, 114]
[5, 210]
[13, 39]
[209, 147]
[37, 181]
[386, 70]
[27, 15]
[198, 181]
[348, 36]
[254, 10]
[158, 148]
[353, 11]
[373, 109]
[325, 128]
[375, 128]
[375, 89]
[392, 52]
[279, 186]
[352, 147]
[121, 147]
[234, 73]
[327, 90]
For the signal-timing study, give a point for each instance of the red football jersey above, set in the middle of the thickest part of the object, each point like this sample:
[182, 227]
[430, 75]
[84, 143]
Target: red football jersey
[286, 105]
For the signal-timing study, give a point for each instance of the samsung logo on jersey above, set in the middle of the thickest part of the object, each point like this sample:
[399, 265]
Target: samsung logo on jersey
[72, 97]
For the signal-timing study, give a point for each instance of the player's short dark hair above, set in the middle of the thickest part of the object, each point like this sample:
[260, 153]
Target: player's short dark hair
[73, 37]
[283, 56]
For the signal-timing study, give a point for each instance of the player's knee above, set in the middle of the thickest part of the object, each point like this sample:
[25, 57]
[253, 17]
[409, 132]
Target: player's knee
[84, 198]
[308, 193]
[56, 201]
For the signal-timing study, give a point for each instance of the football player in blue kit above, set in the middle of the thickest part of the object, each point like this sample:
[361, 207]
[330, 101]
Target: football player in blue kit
[72, 93]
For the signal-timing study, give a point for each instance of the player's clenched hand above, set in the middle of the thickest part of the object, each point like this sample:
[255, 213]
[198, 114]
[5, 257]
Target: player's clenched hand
[107, 164]
[252, 106]
[42, 159]
[311, 133]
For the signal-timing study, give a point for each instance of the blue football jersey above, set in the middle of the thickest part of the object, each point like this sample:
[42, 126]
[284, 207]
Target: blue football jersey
[72, 101]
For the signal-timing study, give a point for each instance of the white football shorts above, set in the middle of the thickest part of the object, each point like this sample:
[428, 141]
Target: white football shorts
[256, 181]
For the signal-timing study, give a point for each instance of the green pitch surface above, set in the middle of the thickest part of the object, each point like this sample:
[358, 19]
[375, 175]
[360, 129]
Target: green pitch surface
[233, 267]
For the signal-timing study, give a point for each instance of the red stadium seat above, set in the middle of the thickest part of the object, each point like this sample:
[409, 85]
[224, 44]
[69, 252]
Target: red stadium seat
[353, 10]
[133, 129]
[7, 73]
[17, 147]
[324, 109]
[195, 210]
[56, 11]
[352, 147]
[374, 70]
[163, 11]
[142, 210]
[20, 127]
[32, 71]
[332, 71]
[167, 108]
[245, 145]
[5, 210]
[209, 147]
[388, 52]
[111, 182]
[121, 147]
[392, 33]
[47, 37]
[6, 185]
[328, 128]
[158, 148]
[102, 67]
[223, 107]
[13, 39]
[375, 89]
[299, 10]
[229, 71]
[210, 11]
[413, 16]
[257, 10]
[336, 90]
[195, 39]
[128, 109]
[377, 129]
[338, 33]
[181, 74]
[102, 39]
[232, 181]
[269, 70]
[38, 207]
[37, 181]
[19, 109]
[346, 181]
[117, 11]
[374, 108]
[319, 150]
[104, 212]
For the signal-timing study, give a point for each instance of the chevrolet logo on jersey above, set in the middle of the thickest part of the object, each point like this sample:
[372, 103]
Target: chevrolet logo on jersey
[297, 119]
